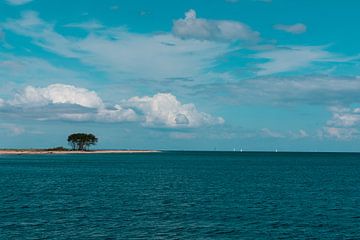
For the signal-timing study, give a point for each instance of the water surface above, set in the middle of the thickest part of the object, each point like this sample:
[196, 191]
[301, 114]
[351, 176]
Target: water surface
[180, 195]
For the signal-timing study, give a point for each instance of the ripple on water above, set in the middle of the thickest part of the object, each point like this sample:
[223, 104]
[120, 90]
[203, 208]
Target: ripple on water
[180, 196]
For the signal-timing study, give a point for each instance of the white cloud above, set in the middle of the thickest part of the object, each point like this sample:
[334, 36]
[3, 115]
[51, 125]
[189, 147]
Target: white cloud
[299, 134]
[119, 52]
[14, 129]
[270, 133]
[91, 25]
[266, 132]
[311, 90]
[57, 94]
[192, 27]
[344, 117]
[2, 102]
[163, 109]
[150, 56]
[67, 102]
[339, 133]
[42, 33]
[297, 28]
[18, 2]
[302, 133]
[117, 114]
[344, 123]
[291, 58]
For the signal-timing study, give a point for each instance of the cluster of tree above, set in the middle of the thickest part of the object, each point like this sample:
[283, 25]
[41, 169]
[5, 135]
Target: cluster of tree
[81, 141]
[56, 149]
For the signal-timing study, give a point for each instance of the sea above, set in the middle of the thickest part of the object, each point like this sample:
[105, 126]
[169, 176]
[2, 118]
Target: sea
[181, 195]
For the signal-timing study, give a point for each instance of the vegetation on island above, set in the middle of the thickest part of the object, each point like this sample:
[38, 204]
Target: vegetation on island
[81, 141]
[77, 142]
[56, 149]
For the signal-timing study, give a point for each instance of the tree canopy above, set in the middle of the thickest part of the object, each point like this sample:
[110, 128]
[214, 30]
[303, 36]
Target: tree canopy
[81, 141]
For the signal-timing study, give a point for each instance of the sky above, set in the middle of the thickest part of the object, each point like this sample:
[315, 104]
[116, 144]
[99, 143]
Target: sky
[257, 75]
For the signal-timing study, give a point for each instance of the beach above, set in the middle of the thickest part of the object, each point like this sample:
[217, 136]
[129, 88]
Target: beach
[44, 152]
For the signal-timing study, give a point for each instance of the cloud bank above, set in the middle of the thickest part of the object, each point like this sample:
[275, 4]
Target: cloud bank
[67, 102]
[165, 109]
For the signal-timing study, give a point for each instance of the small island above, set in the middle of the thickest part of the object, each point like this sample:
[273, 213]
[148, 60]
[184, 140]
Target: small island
[80, 144]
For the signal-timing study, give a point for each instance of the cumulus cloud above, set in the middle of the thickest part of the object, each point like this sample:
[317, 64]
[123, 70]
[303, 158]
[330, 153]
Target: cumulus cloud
[192, 27]
[164, 109]
[57, 94]
[61, 94]
[297, 28]
[344, 123]
[117, 114]
[67, 102]
[18, 2]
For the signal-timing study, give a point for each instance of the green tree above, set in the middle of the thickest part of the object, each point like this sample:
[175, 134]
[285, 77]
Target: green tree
[81, 141]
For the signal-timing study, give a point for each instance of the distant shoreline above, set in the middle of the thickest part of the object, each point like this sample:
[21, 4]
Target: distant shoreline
[46, 152]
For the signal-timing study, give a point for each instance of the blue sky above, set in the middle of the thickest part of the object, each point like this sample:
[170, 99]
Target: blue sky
[200, 75]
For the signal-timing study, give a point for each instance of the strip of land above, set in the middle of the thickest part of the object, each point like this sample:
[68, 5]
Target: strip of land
[41, 152]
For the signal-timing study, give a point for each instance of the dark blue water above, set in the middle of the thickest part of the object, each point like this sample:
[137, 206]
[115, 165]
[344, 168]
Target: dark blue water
[181, 195]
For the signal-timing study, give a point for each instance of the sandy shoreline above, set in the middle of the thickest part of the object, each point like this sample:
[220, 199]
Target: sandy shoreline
[44, 152]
